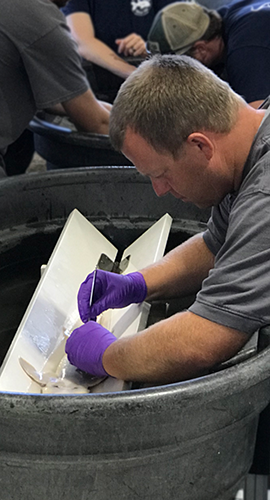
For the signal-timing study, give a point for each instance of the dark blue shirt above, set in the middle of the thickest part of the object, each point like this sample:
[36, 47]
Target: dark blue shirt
[247, 39]
[118, 18]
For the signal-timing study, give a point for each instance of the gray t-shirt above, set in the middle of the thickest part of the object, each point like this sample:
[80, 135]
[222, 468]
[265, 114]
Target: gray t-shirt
[39, 63]
[237, 291]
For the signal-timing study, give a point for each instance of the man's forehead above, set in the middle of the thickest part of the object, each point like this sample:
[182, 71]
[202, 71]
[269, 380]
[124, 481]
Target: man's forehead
[134, 140]
[145, 157]
[131, 135]
[137, 143]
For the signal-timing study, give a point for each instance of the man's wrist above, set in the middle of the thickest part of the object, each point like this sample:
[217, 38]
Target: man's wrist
[109, 359]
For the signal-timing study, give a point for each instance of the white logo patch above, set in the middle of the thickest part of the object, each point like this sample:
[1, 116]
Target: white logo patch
[263, 6]
[140, 7]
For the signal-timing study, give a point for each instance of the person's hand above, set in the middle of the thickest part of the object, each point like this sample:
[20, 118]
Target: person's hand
[131, 45]
[111, 291]
[86, 346]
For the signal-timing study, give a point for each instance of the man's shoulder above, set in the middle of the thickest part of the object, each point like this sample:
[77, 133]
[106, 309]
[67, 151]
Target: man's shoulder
[80, 6]
[256, 173]
[237, 9]
[29, 20]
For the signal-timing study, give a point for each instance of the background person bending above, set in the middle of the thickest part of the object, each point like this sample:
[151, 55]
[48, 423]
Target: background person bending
[212, 152]
[108, 32]
[235, 37]
[40, 67]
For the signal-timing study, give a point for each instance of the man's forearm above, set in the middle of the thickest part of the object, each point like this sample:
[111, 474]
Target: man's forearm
[98, 53]
[181, 271]
[178, 348]
[88, 114]
[94, 50]
[181, 347]
[57, 109]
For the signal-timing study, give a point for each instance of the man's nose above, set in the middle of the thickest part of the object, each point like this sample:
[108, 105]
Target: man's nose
[160, 186]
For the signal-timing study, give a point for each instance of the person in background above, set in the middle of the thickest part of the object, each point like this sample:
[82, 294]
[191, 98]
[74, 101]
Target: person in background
[111, 34]
[40, 68]
[213, 153]
[234, 37]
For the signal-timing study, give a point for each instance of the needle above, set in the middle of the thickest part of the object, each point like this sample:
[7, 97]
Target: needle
[92, 288]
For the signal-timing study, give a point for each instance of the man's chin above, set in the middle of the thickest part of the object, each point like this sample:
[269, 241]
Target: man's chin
[203, 206]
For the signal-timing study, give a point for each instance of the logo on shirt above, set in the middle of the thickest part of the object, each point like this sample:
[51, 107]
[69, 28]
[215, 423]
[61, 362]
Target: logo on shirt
[262, 6]
[141, 7]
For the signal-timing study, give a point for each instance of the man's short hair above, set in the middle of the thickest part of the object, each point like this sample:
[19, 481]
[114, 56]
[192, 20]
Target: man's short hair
[167, 98]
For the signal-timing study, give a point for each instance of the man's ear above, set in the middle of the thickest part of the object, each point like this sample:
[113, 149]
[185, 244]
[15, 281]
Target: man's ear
[200, 51]
[203, 143]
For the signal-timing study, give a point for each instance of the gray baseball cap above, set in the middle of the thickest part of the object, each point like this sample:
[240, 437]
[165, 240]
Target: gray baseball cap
[177, 27]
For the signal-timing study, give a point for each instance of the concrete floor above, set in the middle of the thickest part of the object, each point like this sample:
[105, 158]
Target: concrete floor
[37, 164]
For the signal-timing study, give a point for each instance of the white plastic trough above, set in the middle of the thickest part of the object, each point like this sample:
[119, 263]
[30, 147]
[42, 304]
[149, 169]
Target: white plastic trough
[52, 312]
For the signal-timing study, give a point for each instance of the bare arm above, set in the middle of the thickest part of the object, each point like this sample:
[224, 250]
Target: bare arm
[184, 345]
[88, 114]
[178, 348]
[57, 109]
[94, 50]
[181, 271]
[255, 104]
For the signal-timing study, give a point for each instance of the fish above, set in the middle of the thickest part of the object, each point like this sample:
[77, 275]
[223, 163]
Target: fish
[67, 379]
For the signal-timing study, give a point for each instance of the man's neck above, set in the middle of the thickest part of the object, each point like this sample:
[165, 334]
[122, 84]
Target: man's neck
[241, 138]
[219, 50]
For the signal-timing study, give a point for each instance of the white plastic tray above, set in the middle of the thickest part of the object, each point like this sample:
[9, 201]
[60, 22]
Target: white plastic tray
[52, 311]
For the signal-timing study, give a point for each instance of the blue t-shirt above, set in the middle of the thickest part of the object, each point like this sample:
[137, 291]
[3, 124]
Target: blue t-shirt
[118, 18]
[246, 34]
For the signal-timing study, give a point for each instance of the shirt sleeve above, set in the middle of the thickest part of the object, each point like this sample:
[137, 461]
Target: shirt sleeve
[248, 72]
[76, 6]
[54, 68]
[237, 291]
[215, 234]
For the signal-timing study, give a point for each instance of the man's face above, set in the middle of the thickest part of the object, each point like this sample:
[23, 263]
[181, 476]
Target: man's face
[209, 52]
[188, 177]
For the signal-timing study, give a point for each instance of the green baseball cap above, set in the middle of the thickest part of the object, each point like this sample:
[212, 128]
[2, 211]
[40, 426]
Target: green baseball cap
[177, 27]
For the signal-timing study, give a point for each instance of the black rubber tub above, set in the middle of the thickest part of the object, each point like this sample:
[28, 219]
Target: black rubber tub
[190, 440]
[63, 147]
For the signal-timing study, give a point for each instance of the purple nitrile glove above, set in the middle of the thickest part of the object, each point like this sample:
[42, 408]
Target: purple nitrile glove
[86, 346]
[111, 291]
